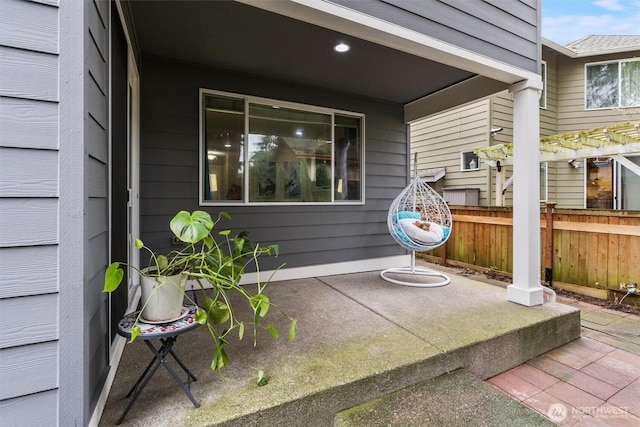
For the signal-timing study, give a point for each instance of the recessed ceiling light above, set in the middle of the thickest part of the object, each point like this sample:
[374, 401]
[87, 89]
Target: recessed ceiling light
[342, 47]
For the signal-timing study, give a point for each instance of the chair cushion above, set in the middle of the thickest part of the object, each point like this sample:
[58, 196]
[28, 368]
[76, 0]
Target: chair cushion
[430, 232]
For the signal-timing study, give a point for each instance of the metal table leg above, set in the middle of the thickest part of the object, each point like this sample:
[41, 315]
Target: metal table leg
[159, 358]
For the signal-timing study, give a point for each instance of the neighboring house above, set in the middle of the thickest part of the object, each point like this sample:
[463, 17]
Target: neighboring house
[116, 114]
[591, 83]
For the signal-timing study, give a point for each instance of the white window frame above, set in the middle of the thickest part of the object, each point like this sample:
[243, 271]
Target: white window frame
[248, 99]
[619, 62]
[463, 164]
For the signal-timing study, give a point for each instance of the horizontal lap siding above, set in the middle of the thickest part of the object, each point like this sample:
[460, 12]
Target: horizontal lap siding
[439, 140]
[307, 235]
[499, 29]
[549, 125]
[29, 204]
[26, 370]
[27, 123]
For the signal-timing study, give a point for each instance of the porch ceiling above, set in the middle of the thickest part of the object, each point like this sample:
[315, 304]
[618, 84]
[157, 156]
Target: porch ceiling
[622, 139]
[236, 36]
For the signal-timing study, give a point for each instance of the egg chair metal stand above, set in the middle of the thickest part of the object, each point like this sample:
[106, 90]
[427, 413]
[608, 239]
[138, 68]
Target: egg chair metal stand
[418, 205]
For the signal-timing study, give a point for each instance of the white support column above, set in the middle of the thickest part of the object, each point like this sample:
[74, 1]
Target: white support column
[499, 184]
[526, 288]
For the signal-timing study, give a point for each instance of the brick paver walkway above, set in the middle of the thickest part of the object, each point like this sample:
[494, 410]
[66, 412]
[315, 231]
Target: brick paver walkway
[592, 381]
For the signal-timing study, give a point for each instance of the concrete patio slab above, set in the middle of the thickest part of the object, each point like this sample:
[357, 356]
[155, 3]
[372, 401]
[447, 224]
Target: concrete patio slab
[359, 338]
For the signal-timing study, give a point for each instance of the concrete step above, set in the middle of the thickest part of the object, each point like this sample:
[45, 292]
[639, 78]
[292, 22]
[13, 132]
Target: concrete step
[454, 399]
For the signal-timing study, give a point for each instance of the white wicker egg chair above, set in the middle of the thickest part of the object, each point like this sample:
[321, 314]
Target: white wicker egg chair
[419, 219]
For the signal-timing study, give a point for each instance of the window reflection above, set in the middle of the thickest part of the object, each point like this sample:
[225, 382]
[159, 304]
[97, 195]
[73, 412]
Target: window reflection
[293, 155]
[600, 183]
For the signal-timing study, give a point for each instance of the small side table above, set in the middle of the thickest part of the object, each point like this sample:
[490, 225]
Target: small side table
[167, 333]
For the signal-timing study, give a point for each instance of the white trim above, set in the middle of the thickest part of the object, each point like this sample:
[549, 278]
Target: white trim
[384, 33]
[116, 355]
[546, 181]
[134, 165]
[361, 266]
[463, 166]
[559, 48]
[543, 92]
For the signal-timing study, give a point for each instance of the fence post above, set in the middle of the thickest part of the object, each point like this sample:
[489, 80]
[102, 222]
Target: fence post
[548, 245]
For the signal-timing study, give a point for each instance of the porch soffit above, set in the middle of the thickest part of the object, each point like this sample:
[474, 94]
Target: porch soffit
[294, 43]
[622, 139]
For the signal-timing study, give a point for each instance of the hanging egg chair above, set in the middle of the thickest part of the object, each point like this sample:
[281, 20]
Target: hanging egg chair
[419, 220]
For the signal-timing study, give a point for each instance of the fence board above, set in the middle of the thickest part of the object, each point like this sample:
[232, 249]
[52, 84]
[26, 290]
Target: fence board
[596, 249]
[613, 267]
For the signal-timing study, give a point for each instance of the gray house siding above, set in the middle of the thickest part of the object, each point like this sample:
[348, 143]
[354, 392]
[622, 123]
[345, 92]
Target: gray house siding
[53, 217]
[499, 29]
[29, 202]
[307, 235]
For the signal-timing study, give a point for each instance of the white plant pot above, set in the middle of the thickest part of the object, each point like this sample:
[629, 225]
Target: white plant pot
[162, 297]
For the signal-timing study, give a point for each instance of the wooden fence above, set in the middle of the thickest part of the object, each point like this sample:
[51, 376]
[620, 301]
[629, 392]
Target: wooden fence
[584, 251]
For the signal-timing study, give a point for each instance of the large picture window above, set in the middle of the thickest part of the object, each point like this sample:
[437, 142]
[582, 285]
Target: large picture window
[260, 151]
[612, 84]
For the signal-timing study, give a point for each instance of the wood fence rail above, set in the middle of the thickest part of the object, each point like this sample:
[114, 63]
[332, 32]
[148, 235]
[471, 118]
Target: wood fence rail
[584, 251]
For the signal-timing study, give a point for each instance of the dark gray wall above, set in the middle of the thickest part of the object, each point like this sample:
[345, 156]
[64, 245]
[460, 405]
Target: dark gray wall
[506, 30]
[307, 235]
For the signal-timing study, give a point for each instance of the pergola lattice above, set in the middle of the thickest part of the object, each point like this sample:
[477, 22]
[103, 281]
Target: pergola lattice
[617, 140]
[611, 141]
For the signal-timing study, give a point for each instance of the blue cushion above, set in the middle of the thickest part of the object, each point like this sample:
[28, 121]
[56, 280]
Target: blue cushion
[405, 240]
[446, 231]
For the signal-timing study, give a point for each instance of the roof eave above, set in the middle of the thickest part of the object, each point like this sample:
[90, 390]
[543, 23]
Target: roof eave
[558, 48]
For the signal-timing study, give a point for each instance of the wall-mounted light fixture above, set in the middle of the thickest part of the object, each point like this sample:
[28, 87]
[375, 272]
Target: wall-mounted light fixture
[495, 130]
[574, 163]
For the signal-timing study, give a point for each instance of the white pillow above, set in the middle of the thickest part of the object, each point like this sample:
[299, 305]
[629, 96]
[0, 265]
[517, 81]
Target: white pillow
[415, 233]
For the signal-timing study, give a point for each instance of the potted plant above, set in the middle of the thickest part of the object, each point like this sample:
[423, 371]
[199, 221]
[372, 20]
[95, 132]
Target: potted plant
[217, 268]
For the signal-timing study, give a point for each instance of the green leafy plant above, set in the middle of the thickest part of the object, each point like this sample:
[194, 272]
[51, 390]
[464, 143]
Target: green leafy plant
[217, 267]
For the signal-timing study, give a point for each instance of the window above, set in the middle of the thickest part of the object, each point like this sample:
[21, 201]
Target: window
[599, 183]
[612, 84]
[629, 196]
[260, 151]
[543, 94]
[469, 161]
